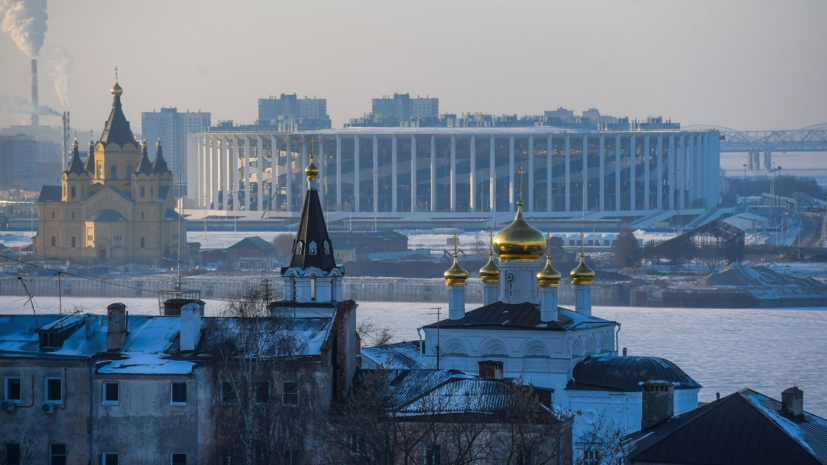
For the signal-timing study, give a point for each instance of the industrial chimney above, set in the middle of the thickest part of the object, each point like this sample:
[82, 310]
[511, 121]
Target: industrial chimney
[35, 103]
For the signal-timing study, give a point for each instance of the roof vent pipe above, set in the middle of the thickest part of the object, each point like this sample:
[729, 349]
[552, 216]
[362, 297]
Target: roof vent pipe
[792, 403]
[658, 403]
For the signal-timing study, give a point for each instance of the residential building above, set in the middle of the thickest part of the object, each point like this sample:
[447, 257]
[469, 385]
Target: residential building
[288, 107]
[19, 156]
[172, 127]
[114, 205]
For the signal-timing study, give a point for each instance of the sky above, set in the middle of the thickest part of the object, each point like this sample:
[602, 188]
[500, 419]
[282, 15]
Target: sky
[740, 64]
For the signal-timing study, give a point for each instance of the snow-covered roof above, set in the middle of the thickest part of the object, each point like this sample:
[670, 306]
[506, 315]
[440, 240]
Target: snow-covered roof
[400, 355]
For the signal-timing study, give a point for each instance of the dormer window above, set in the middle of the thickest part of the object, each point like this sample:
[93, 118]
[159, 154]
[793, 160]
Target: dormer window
[299, 248]
[312, 248]
[326, 248]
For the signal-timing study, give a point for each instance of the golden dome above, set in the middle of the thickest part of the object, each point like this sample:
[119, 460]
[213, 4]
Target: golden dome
[456, 275]
[158, 144]
[519, 240]
[490, 273]
[75, 143]
[116, 89]
[312, 171]
[582, 274]
[548, 276]
[143, 143]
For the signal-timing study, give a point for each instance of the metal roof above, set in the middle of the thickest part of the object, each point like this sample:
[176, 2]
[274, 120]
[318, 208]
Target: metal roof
[107, 216]
[744, 428]
[312, 232]
[400, 355]
[117, 127]
[251, 243]
[626, 373]
[284, 337]
[462, 131]
[526, 315]
[50, 194]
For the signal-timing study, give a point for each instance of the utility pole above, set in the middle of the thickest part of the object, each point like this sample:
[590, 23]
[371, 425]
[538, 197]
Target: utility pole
[438, 318]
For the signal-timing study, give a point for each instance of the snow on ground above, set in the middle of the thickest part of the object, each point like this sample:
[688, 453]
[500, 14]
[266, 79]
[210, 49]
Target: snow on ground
[724, 350]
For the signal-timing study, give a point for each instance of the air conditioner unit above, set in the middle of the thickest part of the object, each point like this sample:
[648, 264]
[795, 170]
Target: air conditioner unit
[47, 408]
[7, 406]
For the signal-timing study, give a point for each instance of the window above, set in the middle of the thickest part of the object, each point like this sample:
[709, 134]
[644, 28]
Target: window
[142, 215]
[311, 249]
[263, 392]
[100, 171]
[12, 454]
[433, 454]
[228, 394]
[74, 242]
[90, 238]
[73, 213]
[326, 248]
[143, 240]
[175, 237]
[118, 238]
[110, 458]
[113, 171]
[12, 389]
[54, 240]
[178, 459]
[54, 390]
[299, 248]
[178, 394]
[57, 454]
[53, 214]
[73, 190]
[110, 394]
[290, 393]
[128, 170]
[143, 192]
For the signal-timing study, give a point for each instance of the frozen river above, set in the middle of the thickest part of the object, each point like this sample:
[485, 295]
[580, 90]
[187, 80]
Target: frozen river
[724, 350]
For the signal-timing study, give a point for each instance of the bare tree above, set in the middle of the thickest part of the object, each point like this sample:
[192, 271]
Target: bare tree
[625, 249]
[479, 248]
[600, 444]
[284, 244]
[374, 335]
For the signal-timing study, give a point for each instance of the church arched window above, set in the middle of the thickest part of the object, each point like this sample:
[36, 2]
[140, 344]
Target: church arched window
[151, 191]
[143, 192]
[53, 214]
[128, 169]
[114, 172]
[100, 171]
[143, 242]
[74, 241]
[73, 192]
[142, 215]
[312, 248]
[326, 248]
[299, 248]
[54, 241]
[73, 215]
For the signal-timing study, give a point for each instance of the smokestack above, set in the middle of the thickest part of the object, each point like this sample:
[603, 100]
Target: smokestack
[658, 403]
[35, 103]
[66, 130]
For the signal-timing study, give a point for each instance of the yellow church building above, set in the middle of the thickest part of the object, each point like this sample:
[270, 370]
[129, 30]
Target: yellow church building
[116, 205]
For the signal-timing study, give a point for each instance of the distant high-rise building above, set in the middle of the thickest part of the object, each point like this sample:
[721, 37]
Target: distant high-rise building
[403, 107]
[566, 116]
[172, 127]
[290, 111]
[18, 162]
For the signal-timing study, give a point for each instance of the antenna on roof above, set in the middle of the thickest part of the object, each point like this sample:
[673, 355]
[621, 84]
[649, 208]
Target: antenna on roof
[31, 301]
[437, 348]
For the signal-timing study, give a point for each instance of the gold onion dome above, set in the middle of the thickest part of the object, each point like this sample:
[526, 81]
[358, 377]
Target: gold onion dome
[116, 89]
[519, 240]
[312, 171]
[548, 276]
[456, 275]
[582, 274]
[158, 144]
[490, 273]
[75, 143]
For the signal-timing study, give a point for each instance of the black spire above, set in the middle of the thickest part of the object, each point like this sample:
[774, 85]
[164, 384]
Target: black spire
[90, 159]
[75, 165]
[312, 246]
[145, 167]
[117, 127]
[159, 166]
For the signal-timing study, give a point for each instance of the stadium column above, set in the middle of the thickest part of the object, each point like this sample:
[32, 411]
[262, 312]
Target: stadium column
[659, 168]
[228, 180]
[433, 173]
[375, 174]
[632, 174]
[244, 155]
[549, 147]
[602, 155]
[492, 181]
[413, 174]
[690, 161]
[568, 172]
[259, 170]
[394, 172]
[471, 177]
[355, 200]
[670, 172]
[530, 174]
[322, 172]
[304, 164]
[216, 178]
[202, 157]
[617, 173]
[211, 169]
[646, 158]
[274, 171]
[288, 164]
[453, 173]
[681, 172]
[511, 173]
[338, 173]
[585, 174]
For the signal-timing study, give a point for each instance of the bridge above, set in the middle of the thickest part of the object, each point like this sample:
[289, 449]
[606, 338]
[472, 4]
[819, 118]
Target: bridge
[755, 143]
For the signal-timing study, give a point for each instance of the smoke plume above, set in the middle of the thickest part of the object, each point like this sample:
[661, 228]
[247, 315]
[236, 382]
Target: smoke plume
[19, 105]
[59, 63]
[25, 22]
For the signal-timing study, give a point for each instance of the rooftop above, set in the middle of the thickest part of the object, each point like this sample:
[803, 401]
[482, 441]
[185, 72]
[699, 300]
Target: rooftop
[500, 315]
[626, 374]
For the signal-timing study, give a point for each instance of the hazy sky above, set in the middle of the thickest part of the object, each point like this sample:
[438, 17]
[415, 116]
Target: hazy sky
[742, 64]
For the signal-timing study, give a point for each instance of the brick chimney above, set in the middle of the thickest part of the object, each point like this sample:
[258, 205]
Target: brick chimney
[116, 328]
[658, 403]
[190, 332]
[792, 404]
[490, 369]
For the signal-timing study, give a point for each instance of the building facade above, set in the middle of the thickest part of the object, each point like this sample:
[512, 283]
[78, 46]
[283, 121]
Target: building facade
[172, 128]
[273, 111]
[18, 162]
[463, 172]
[114, 205]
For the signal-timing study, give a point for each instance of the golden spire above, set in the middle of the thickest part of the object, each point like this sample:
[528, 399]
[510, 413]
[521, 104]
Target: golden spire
[91, 139]
[116, 89]
[158, 144]
[519, 240]
[548, 276]
[143, 143]
[582, 274]
[456, 275]
[312, 171]
[75, 143]
[490, 273]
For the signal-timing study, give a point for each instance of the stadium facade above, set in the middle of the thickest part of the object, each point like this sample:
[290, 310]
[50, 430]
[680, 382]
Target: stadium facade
[459, 172]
